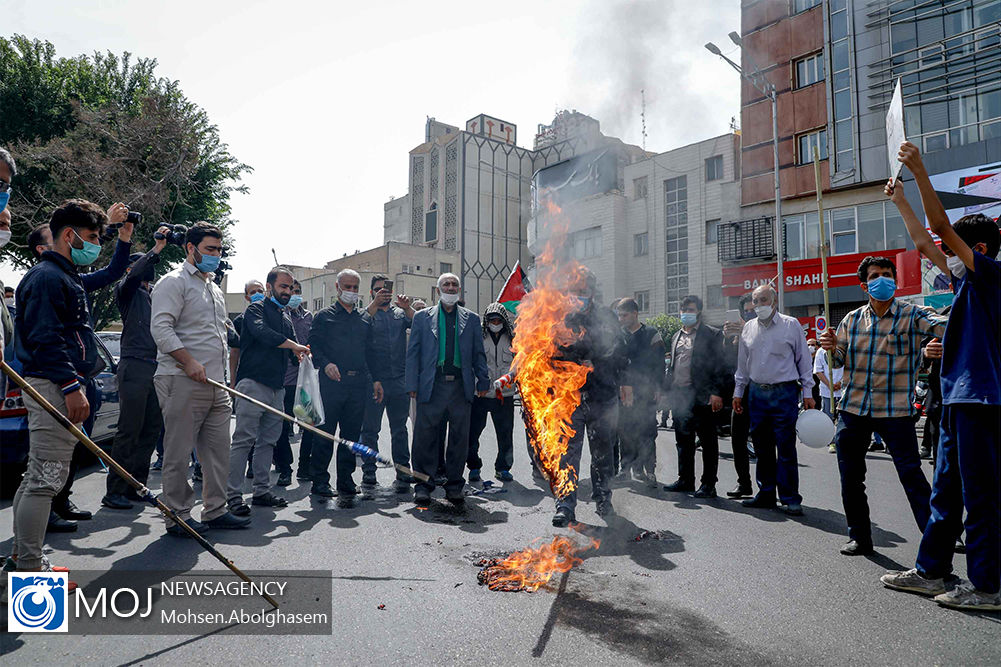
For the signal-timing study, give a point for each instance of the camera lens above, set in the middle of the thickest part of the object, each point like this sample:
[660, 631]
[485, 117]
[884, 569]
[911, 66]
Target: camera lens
[134, 217]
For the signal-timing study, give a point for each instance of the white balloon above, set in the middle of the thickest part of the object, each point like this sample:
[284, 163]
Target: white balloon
[815, 429]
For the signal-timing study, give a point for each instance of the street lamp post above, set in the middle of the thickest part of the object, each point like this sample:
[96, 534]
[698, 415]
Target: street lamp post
[767, 88]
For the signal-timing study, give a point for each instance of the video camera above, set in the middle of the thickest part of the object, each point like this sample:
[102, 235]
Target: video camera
[175, 236]
[220, 271]
[133, 217]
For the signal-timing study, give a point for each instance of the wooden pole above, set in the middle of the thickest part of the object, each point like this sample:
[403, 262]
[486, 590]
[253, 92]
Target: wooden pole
[823, 269]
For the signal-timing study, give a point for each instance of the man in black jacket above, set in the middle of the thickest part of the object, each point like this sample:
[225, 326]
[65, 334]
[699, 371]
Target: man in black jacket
[58, 350]
[139, 420]
[345, 355]
[266, 341]
[696, 377]
[601, 345]
[645, 372]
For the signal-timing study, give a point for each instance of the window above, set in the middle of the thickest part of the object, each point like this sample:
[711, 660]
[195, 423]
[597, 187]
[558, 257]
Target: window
[714, 296]
[809, 70]
[805, 142]
[643, 300]
[431, 225]
[712, 231]
[641, 244]
[676, 245]
[639, 188]
[803, 5]
[714, 168]
[586, 243]
[841, 75]
[444, 267]
[318, 303]
[843, 231]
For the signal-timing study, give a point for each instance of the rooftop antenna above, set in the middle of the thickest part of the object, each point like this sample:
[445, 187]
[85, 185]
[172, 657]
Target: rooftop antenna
[643, 114]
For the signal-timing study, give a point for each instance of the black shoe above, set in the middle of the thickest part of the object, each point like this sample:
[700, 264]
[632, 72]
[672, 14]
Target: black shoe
[960, 547]
[303, 476]
[228, 521]
[855, 548]
[284, 479]
[604, 507]
[680, 487]
[369, 479]
[876, 447]
[57, 524]
[401, 486]
[116, 501]
[323, 490]
[740, 491]
[455, 497]
[793, 509]
[422, 498]
[250, 473]
[759, 502]
[347, 491]
[705, 491]
[71, 512]
[269, 500]
[475, 476]
[440, 480]
[564, 517]
[177, 531]
[238, 508]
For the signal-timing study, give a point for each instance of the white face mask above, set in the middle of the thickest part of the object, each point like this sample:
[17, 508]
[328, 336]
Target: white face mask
[956, 266]
[4, 237]
[496, 328]
[9, 301]
[763, 312]
[449, 299]
[350, 298]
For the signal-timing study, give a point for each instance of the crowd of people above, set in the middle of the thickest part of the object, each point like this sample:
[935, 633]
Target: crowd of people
[444, 369]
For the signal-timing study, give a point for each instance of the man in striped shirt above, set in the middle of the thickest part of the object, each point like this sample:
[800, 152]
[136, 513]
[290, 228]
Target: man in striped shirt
[879, 346]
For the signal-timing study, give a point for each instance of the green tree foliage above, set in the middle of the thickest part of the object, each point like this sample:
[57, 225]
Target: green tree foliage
[107, 129]
[666, 326]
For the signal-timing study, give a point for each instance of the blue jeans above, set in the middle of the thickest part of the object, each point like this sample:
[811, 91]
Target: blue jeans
[852, 442]
[773, 426]
[966, 475]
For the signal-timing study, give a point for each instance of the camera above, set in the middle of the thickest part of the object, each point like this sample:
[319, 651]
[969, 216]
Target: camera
[175, 236]
[135, 217]
[221, 270]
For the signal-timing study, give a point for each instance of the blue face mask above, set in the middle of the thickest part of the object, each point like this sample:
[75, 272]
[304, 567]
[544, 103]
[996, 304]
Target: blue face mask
[295, 301]
[277, 302]
[256, 296]
[4, 198]
[689, 319]
[86, 255]
[882, 288]
[208, 264]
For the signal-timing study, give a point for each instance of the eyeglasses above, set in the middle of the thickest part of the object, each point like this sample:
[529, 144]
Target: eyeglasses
[4, 186]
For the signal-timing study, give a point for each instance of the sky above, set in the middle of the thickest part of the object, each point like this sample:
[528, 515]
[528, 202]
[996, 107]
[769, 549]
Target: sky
[326, 99]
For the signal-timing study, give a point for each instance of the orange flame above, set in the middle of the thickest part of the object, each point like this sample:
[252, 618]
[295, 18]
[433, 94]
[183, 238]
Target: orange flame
[531, 569]
[550, 387]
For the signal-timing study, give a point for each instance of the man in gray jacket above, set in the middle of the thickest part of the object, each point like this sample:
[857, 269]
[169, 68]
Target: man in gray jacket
[498, 337]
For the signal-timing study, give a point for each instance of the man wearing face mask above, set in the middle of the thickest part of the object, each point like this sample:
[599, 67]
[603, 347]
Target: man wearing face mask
[58, 350]
[7, 171]
[740, 422]
[253, 291]
[267, 344]
[696, 369]
[774, 369]
[301, 319]
[879, 346]
[189, 326]
[390, 324]
[446, 370]
[349, 364]
[139, 419]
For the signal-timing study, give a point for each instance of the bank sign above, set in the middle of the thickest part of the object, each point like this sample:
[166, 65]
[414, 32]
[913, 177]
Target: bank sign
[805, 274]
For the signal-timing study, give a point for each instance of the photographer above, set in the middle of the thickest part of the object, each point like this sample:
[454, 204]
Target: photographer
[58, 350]
[189, 327]
[139, 420]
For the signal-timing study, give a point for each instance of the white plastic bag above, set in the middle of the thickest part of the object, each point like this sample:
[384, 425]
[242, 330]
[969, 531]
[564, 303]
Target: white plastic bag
[308, 406]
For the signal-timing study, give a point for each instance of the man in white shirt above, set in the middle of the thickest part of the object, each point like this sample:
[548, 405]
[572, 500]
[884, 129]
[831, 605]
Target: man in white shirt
[827, 381]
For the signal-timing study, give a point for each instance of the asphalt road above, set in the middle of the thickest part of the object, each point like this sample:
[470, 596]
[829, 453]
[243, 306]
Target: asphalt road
[724, 585]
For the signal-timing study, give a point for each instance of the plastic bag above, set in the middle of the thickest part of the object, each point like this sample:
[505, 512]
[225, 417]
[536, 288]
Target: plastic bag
[308, 406]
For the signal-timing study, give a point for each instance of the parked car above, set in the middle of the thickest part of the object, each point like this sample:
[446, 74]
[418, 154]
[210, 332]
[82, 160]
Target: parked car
[113, 341]
[14, 417]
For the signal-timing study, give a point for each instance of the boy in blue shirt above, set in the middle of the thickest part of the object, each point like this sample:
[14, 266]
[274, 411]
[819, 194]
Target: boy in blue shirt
[966, 470]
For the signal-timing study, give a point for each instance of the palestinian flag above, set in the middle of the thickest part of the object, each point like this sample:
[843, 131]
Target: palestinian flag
[515, 288]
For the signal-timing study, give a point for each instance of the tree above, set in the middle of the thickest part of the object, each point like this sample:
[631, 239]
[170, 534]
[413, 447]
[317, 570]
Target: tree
[666, 326]
[107, 129]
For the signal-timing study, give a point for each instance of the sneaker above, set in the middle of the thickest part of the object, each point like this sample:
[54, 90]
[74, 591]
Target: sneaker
[964, 596]
[157, 465]
[474, 475]
[564, 517]
[911, 581]
[856, 548]
[504, 476]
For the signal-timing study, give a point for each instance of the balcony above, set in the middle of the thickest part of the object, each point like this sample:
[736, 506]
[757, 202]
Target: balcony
[746, 240]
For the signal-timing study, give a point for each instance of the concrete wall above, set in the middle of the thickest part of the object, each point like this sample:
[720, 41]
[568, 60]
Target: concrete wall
[396, 220]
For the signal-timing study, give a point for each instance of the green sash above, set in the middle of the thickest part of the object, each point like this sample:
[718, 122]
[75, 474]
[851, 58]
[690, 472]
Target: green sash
[456, 361]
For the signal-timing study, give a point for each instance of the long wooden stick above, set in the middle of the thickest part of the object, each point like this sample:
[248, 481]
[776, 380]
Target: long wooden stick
[309, 427]
[823, 272]
[140, 488]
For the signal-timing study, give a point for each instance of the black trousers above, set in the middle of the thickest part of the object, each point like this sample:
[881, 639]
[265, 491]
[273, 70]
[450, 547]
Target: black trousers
[691, 419]
[502, 414]
[448, 404]
[740, 427]
[344, 407]
[139, 422]
[638, 435]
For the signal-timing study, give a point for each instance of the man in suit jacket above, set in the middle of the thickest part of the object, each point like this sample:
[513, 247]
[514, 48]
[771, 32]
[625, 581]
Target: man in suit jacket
[446, 368]
[696, 379]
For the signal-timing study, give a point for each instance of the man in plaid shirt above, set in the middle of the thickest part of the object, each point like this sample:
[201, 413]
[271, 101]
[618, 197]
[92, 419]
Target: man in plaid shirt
[879, 346]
